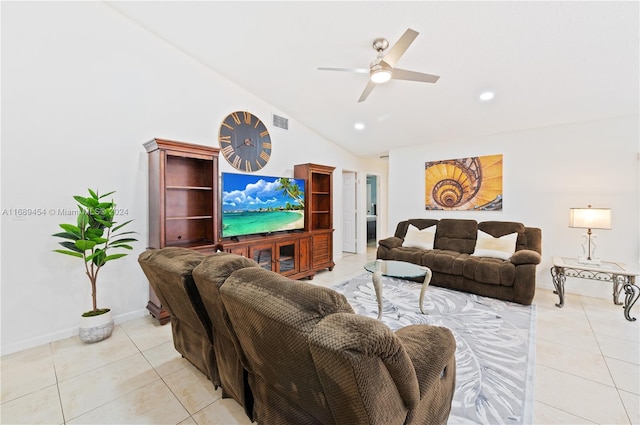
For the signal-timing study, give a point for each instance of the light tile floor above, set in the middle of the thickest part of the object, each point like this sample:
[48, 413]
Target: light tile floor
[587, 371]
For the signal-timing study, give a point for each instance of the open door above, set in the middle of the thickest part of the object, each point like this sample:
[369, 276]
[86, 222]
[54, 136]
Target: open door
[349, 212]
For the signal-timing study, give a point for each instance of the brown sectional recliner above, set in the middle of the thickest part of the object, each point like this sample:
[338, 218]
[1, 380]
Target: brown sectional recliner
[169, 272]
[209, 277]
[309, 359]
[453, 267]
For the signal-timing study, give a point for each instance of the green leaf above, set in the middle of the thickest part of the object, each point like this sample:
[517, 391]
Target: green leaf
[72, 253]
[70, 246]
[80, 199]
[75, 230]
[120, 226]
[131, 232]
[123, 240]
[83, 219]
[87, 202]
[114, 257]
[121, 246]
[85, 245]
[107, 194]
[93, 232]
[98, 258]
[66, 235]
[105, 223]
[98, 240]
[106, 205]
[93, 194]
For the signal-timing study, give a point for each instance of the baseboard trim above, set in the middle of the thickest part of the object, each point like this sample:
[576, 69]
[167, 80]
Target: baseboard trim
[25, 344]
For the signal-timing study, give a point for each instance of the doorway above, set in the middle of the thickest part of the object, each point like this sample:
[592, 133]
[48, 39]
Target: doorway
[372, 210]
[349, 217]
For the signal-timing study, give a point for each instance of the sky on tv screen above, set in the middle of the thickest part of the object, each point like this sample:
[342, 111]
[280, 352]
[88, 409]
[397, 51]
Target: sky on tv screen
[243, 192]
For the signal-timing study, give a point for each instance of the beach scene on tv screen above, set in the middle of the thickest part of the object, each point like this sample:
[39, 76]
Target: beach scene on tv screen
[261, 204]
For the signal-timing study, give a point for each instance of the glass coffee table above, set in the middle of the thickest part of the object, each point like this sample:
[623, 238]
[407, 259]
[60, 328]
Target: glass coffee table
[398, 269]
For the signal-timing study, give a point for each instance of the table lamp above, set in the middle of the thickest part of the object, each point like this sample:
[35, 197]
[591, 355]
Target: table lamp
[590, 218]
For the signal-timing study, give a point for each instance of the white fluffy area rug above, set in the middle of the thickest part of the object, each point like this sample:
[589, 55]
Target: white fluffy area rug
[495, 344]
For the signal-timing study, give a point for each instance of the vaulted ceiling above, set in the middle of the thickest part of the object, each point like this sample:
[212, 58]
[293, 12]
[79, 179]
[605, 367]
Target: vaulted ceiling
[548, 63]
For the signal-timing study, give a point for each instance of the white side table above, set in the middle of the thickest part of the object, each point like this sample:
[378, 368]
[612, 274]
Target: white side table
[621, 277]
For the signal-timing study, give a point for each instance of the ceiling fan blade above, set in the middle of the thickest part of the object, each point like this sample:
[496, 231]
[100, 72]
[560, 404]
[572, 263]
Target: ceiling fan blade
[367, 90]
[403, 74]
[358, 70]
[398, 49]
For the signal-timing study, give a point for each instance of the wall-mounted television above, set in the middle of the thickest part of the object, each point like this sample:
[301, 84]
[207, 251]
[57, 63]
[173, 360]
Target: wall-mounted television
[261, 204]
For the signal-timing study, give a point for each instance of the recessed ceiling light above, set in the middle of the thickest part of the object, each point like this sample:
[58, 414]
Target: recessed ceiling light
[488, 95]
[359, 126]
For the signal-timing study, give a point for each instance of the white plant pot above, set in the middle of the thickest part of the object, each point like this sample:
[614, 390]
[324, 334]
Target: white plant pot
[96, 328]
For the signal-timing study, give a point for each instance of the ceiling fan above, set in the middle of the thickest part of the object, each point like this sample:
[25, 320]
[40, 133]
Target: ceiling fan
[382, 68]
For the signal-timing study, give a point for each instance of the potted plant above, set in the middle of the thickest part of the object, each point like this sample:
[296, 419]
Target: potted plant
[90, 238]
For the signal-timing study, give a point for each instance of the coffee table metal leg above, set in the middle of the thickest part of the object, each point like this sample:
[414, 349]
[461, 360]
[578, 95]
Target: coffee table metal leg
[377, 285]
[427, 279]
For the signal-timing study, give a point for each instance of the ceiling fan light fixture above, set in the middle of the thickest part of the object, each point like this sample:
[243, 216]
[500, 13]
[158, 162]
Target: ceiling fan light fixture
[380, 74]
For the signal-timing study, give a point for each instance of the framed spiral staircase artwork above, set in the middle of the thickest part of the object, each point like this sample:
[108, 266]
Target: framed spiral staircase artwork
[473, 183]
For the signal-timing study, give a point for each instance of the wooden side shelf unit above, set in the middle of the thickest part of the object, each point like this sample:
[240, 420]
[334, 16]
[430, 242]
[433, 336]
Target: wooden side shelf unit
[183, 200]
[319, 211]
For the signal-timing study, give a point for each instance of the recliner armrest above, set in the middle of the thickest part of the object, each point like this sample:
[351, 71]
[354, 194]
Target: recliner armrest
[390, 243]
[431, 349]
[525, 256]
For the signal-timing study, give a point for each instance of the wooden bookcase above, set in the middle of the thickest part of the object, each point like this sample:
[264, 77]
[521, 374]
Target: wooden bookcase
[318, 211]
[183, 200]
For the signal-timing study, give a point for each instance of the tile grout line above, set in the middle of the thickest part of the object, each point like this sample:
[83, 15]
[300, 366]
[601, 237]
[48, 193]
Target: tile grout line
[105, 365]
[570, 413]
[604, 359]
[55, 372]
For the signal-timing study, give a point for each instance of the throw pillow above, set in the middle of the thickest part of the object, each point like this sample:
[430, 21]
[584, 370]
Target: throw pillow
[502, 247]
[420, 238]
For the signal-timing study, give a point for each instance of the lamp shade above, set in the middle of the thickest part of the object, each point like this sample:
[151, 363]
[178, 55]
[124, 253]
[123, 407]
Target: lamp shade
[590, 218]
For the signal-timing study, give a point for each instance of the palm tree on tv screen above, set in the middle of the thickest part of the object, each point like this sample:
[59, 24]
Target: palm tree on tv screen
[291, 190]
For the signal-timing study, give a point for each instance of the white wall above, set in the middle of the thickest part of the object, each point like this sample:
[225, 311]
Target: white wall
[546, 171]
[82, 89]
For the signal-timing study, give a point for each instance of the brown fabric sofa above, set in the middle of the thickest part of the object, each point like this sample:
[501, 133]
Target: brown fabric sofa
[209, 277]
[454, 267]
[311, 360]
[169, 271]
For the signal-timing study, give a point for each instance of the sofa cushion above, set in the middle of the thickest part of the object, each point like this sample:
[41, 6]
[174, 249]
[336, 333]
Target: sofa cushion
[443, 261]
[420, 238]
[420, 223]
[456, 235]
[501, 247]
[501, 228]
[490, 271]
